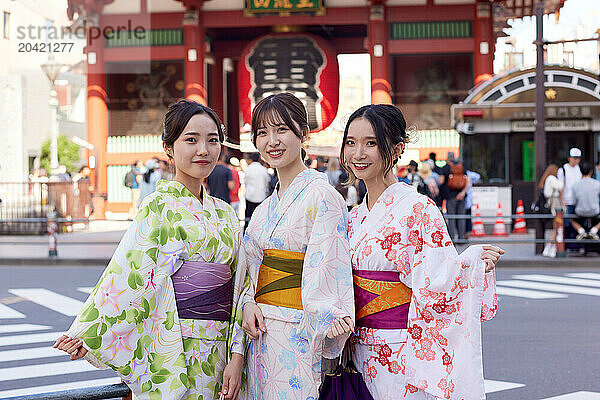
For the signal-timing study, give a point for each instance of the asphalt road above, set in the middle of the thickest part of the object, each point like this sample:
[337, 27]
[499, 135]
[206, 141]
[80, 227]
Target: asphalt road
[544, 342]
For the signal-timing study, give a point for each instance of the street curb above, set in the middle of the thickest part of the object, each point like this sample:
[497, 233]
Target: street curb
[49, 262]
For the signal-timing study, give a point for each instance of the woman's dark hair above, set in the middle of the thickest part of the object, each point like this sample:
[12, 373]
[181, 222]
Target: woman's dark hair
[390, 129]
[277, 108]
[179, 114]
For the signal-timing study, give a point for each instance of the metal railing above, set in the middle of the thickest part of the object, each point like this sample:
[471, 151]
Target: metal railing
[91, 393]
[24, 206]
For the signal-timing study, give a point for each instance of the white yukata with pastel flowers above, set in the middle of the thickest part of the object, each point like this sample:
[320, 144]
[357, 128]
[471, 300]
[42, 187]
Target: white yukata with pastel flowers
[439, 355]
[130, 321]
[311, 218]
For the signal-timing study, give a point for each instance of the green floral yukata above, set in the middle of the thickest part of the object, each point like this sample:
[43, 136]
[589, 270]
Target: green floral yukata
[130, 322]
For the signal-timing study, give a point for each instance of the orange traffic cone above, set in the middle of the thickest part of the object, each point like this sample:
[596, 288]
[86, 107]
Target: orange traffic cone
[444, 209]
[499, 227]
[477, 223]
[519, 226]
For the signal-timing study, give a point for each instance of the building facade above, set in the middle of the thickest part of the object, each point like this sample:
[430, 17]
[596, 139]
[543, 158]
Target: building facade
[142, 54]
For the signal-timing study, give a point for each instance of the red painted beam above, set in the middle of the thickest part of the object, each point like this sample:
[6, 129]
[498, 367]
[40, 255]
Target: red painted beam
[431, 46]
[354, 45]
[429, 13]
[333, 16]
[117, 54]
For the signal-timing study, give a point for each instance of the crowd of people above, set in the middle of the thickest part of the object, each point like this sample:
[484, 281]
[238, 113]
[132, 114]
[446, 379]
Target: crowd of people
[573, 188]
[193, 306]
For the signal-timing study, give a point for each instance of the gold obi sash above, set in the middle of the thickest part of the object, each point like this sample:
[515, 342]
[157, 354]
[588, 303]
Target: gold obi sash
[280, 279]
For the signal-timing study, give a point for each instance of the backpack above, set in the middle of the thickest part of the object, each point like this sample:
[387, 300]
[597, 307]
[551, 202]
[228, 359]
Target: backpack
[457, 179]
[128, 181]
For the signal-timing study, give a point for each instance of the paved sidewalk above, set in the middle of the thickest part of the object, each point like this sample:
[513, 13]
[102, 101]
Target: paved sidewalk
[96, 245]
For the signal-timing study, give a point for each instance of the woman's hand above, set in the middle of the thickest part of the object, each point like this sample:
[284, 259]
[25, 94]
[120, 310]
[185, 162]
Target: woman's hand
[73, 347]
[340, 326]
[232, 377]
[491, 255]
[253, 322]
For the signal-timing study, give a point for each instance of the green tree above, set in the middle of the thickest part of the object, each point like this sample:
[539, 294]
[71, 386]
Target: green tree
[68, 154]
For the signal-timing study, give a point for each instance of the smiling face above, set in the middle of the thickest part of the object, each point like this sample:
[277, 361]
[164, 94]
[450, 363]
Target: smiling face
[196, 151]
[361, 151]
[278, 144]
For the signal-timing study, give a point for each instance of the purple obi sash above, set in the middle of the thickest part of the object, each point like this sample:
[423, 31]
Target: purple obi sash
[203, 291]
[382, 301]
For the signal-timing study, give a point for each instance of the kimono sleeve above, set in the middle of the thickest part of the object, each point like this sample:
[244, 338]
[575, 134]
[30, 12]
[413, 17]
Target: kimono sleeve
[253, 255]
[236, 334]
[443, 352]
[327, 291]
[129, 322]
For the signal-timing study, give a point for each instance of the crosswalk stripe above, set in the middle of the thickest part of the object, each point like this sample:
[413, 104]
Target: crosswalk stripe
[492, 386]
[529, 294]
[57, 387]
[576, 396]
[26, 339]
[559, 279]
[87, 290]
[585, 275]
[40, 370]
[30, 354]
[7, 312]
[551, 287]
[54, 301]
[22, 328]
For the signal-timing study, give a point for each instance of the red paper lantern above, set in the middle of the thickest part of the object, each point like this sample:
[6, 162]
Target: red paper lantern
[300, 63]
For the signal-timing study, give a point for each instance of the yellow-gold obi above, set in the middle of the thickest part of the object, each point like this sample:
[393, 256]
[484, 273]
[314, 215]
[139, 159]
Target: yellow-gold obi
[280, 279]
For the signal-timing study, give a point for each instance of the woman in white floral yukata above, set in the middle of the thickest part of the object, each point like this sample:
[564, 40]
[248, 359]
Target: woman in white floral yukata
[165, 314]
[300, 297]
[419, 304]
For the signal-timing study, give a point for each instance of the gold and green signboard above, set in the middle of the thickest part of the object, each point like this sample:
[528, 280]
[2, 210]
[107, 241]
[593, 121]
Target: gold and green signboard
[284, 7]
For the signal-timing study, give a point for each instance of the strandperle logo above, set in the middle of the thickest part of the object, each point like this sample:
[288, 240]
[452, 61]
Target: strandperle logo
[51, 32]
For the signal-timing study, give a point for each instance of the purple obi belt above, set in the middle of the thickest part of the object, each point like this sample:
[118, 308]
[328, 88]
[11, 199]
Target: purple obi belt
[203, 291]
[382, 301]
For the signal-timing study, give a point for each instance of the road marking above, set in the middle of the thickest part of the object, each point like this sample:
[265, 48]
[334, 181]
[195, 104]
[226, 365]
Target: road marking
[54, 301]
[559, 279]
[529, 294]
[576, 396]
[33, 338]
[30, 354]
[497, 386]
[40, 370]
[551, 287]
[22, 328]
[585, 275]
[57, 387]
[7, 312]
[87, 290]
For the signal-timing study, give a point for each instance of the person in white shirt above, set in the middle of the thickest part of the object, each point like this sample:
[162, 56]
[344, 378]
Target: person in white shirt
[256, 183]
[570, 174]
[552, 188]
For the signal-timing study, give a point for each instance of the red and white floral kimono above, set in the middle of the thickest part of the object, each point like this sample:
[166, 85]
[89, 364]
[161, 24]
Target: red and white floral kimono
[419, 303]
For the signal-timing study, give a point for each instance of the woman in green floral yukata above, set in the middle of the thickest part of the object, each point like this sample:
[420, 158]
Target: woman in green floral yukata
[165, 314]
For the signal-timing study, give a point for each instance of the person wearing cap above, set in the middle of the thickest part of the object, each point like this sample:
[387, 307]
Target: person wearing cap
[570, 174]
[586, 193]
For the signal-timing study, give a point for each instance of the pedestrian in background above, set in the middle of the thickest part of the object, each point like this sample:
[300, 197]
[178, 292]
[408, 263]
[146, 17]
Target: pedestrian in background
[333, 171]
[131, 181]
[234, 165]
[552, 189]
[321, 166]
[586, 196]
[220, 181]
[597, 169]
[168, 302]
[431, 187]
[418, 302]
[149, 179]
[455, 182]
[256, 185]
[569, 174]
[166, 171]
[474, 179]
